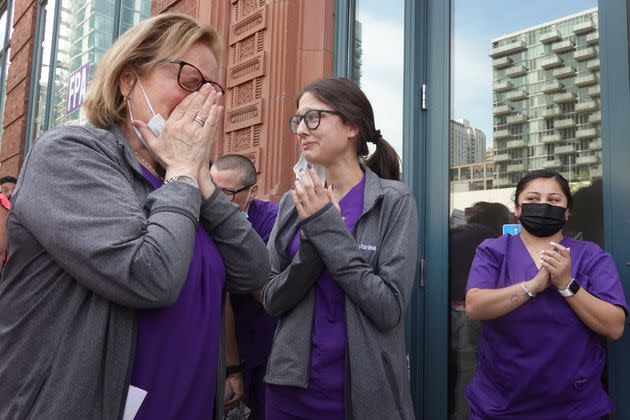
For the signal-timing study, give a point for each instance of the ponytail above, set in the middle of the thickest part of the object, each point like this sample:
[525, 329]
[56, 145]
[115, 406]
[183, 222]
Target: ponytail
[384, 162]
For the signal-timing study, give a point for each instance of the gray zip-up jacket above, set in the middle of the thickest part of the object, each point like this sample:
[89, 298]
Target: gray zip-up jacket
[91, 242]
[375, 267]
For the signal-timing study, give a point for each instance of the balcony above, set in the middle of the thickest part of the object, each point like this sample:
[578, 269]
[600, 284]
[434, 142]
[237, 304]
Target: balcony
[595, 117]
[503, 182]
[515, 144]
[565, 150]
[517, 167]
[594, 91]
[501, 63]
[551, 138]
[516, 119]
[592, 39]
[507, 49]
[586, 80]
[551, 36]
[551, 112]
[502, 110]
[565, 123]
[586, 133]
[564, 72]
[593, 64]
[516, 71]
[552, 87]
[552, 164]
[584, 27]
[595, 144]
[502, 86]
[587, 160]
[564, 97]
[516, 95]
[550, 62]
[596, 172]
[585, 54]
[586, 106]
[501, 158]
[501, 134]
[562, 46]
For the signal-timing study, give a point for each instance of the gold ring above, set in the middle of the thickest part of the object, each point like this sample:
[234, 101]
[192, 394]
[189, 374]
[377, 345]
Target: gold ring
[199, 120]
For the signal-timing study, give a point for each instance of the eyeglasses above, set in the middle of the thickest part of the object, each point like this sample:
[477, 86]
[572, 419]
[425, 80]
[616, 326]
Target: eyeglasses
[232, 193]
[190, 78]
[311, 118]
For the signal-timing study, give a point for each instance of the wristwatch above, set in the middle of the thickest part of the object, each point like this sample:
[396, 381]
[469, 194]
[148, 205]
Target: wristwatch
[183, 178]
[572, 288]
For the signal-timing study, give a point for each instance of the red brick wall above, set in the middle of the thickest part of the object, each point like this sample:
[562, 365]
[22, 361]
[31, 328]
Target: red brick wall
[18, 82]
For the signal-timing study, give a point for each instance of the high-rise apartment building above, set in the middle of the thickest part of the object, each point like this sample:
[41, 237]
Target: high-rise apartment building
[546, 110]
[468, 144]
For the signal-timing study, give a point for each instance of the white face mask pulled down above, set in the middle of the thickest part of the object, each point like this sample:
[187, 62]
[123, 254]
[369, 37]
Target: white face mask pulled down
[156, 124]
[302, 165]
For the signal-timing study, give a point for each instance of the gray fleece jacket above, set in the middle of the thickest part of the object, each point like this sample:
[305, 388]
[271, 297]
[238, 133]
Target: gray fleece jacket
[375, 266]
[91, 242]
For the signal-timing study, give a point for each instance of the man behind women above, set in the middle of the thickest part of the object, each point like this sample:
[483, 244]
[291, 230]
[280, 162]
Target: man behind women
[121, 245]
[235, 175]
[343, 260]
[545, 300]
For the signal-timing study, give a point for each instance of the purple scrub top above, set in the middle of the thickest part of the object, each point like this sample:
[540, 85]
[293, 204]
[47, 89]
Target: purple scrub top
[177, 347]
[324, 396]
[540, 361]
[254, 327]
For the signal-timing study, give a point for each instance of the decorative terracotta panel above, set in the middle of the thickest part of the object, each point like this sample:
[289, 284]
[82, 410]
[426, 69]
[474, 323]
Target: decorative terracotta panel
[249, 26]
[247, 70]
[245, 116]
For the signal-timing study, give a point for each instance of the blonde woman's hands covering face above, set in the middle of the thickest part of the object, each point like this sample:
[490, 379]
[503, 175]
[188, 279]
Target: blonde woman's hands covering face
[185, 145]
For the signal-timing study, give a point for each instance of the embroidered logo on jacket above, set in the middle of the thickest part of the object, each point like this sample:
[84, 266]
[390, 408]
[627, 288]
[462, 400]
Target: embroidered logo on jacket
[365, 247]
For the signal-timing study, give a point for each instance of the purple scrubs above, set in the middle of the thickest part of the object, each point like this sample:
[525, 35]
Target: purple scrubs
[177, 347]
[254, 326]
[540, 361]
[324, 396]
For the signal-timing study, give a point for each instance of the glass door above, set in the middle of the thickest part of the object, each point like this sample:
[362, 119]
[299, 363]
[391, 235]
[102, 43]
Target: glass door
[525, 95]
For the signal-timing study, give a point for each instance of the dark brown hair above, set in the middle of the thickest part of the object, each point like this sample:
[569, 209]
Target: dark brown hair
[543, 173]
[345, 97]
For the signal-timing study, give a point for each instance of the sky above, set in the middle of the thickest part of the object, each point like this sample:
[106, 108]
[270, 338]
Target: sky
[475, 23]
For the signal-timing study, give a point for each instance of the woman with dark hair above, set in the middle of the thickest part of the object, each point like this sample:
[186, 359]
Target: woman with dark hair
[343, 257]
[545, 300]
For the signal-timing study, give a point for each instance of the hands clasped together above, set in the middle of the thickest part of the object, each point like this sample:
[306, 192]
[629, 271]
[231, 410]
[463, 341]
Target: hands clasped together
[556, 268]
[309, 198]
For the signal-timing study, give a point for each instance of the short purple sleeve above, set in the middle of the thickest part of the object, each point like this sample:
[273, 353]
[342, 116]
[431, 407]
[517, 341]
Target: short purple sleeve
[599, 275]
[486, 266]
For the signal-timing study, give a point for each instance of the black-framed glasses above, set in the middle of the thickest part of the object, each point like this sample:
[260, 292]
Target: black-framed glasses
[311, 118]
[191, 79]
[232, 193]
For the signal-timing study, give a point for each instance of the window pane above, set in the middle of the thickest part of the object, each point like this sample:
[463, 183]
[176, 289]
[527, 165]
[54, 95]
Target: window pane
[525, 83]
[85, 32]
[378, 63]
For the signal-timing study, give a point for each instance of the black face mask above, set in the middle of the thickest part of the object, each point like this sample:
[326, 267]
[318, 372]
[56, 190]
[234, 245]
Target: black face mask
[542, 219]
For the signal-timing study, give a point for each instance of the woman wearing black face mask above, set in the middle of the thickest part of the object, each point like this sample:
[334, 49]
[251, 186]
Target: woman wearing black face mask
[545, 300]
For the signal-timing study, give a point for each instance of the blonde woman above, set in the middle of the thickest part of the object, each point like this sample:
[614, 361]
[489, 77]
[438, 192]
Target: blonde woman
[121, 245]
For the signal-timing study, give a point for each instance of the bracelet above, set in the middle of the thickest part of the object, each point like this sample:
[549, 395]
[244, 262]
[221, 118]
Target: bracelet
[527, 291]
[229, 370]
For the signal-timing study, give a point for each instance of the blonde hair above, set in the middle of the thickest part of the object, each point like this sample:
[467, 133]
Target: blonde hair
[141, 47]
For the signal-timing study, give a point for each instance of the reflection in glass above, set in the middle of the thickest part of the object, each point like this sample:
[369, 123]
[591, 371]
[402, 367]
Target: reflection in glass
[525, 78]
[378, 63]
[85, 32]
